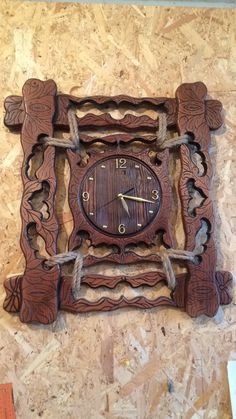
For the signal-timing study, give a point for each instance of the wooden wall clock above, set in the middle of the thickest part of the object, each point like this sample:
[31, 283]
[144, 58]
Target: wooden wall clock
[121, 196]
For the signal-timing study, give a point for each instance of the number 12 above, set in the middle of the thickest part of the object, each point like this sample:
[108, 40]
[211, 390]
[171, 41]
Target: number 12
[121, 163]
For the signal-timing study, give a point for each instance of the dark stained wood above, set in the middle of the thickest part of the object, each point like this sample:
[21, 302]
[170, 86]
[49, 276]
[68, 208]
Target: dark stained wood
[39, 293]
[15, 114]
[129, 122]
[150, 279]
[110, 176]
[202, 294]
[107, 304]
[13, 298]
[147, 235]
[38, 286]
[124, 258]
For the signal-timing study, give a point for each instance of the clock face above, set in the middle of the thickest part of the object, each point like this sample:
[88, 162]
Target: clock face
[120, 195]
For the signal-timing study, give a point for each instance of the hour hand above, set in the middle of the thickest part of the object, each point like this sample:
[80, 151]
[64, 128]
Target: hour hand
[125, 206]
[136, 198]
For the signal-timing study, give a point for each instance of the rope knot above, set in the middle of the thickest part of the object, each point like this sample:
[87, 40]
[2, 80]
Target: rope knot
[62, 258]
[162, 140]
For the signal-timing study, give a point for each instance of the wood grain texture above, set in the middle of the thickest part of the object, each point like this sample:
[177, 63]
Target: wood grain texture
[13, 298]
[39, 292]
[123, 258]
[81, 223]
[98, 195]
[202, 295]
[81, 305]
[106, 50]
[38, 287]
[15, 114]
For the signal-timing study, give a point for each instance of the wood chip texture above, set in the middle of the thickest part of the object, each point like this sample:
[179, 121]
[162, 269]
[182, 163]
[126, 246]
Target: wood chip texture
[119, 364]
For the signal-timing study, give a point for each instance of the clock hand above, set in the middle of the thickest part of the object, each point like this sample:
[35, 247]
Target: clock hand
[125, 206]
[135, 198]
[114, 199]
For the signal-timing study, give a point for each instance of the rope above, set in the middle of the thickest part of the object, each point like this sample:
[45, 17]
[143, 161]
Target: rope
[74, 143]
[169, 254]
[181, 254]
[57, 143]
[162, 130]
[167, 268]
[73, 127]
[62, 258]
[165, 256]
[162, 142]
[77, 275]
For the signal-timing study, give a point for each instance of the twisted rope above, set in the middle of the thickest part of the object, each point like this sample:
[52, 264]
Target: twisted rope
[162, 130]
[62, 258]
[165, 256]
[56, 142]
[74, 142]
[162, 142]
[72, 119]
[77, 275]
[167, 268]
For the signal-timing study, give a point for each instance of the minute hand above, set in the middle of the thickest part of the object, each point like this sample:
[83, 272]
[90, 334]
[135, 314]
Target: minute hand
[137, 198]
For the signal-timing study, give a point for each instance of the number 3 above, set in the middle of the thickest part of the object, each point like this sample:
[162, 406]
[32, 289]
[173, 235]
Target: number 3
[155, 194]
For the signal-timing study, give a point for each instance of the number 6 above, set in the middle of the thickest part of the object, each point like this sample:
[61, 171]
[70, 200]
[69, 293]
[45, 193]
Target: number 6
[121, 228]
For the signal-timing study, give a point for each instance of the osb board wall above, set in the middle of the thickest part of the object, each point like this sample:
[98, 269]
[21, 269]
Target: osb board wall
[118, 365]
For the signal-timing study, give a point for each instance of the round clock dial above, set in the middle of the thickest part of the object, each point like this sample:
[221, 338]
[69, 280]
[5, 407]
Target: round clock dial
[120, 195]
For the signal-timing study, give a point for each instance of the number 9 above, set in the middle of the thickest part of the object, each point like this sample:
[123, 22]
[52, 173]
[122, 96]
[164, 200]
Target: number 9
[85, 196]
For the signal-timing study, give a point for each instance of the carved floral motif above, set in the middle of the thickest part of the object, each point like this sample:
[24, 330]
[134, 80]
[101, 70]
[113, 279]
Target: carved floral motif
[39, 293]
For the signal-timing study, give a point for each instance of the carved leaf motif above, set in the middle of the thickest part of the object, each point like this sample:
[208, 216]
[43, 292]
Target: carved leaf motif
[224, 282]
[202, 297]
[192, 91]
[39, 290]
[39, 287]
[15, 111]
[200, 290]
[202, 293]
[35, 89]
[213, 114]
[12, 301]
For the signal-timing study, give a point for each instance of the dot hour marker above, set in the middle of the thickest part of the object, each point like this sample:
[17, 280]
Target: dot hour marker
[139, 225]
[104, 226]
[149, 178]
[103, 166]
[91, 213]
[137, 166]
[91, 178]
[150, 212]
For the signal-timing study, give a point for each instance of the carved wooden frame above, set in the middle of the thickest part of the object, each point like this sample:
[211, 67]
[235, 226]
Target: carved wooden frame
[40, 293]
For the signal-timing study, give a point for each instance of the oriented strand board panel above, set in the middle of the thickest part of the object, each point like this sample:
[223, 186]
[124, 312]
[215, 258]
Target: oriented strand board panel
[124, 364]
